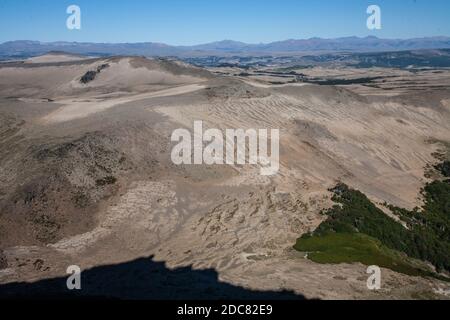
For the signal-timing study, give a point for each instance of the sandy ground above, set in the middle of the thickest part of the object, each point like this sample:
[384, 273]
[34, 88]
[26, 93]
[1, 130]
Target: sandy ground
[227, 218]
[55, 57]
[75, 109]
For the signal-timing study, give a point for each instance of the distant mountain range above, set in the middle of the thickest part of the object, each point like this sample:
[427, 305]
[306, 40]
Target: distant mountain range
[26, 48]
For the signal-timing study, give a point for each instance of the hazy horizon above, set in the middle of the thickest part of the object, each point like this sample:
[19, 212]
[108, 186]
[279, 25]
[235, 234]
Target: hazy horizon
[225, 40]
[181, 23]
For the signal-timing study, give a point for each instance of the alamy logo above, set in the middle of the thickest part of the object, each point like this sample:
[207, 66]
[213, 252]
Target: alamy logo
[374, 280]
[374, 20]
[74, 280]
[74, 20]
[216, 147]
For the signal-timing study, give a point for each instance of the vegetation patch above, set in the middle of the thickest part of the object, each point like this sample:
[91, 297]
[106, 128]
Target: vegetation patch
[46, 228]
[335, 82]
[106, 181]
[81, 199]
[90, 75]
[357, 231]
[444, 168]
[338, 248]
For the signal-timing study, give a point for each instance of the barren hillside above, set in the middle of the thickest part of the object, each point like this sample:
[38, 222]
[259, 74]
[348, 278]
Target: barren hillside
[86, 176]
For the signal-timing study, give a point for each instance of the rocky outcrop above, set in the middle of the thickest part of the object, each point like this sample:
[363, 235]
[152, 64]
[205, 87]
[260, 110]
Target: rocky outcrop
[90, 75]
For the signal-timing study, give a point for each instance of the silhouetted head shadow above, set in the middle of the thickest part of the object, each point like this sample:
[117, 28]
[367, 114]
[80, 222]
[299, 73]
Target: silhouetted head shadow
[142, 279]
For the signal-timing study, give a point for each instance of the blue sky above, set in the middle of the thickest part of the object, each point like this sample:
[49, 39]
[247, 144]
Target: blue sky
[185, 22]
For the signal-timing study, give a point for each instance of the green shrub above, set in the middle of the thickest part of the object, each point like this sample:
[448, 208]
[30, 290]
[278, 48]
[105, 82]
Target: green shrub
[427, 237]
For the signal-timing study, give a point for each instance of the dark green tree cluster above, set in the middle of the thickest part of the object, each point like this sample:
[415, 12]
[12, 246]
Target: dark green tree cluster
[426, 238]
[444, 168]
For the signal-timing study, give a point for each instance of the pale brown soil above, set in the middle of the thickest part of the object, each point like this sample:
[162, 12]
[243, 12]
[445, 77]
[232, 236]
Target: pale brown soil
[86, 176]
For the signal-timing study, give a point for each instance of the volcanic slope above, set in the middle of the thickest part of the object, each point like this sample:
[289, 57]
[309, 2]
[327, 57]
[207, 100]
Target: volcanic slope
[86, 176]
